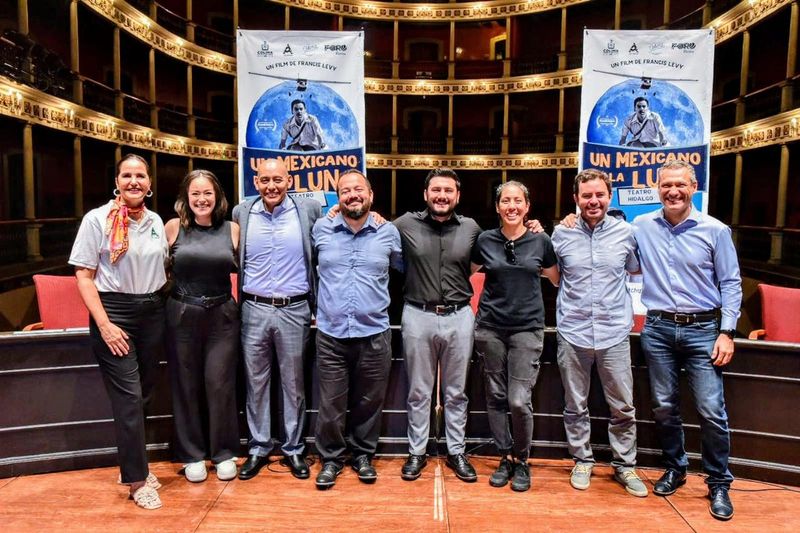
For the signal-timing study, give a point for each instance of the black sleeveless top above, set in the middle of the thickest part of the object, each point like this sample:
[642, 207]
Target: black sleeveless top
[202, 260]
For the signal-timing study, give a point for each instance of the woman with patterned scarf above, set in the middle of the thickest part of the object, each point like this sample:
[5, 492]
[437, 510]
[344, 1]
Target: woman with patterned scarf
[119, 257]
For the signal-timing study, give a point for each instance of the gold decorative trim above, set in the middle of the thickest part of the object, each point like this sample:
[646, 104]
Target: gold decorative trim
[474, 162]
[25, 103]
[742, 16]
[365, 9]
[778, 129]
[31, 105]
[143, 27]
[518, 84]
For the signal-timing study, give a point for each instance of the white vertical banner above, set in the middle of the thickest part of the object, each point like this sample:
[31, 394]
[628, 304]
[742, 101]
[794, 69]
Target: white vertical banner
[301, 99]
[646, 100]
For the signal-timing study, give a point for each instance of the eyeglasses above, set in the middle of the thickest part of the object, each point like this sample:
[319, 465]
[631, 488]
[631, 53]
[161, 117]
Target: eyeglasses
[511, 255]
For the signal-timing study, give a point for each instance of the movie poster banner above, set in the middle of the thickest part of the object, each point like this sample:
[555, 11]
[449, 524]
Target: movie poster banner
[301, 99]
[646, 100]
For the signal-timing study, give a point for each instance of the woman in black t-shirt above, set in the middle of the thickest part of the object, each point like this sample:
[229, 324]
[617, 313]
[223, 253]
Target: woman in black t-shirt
[510, 327]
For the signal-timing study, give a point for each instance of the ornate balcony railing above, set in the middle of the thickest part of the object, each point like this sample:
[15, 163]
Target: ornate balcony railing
[172, 121]
[477, 146]
[411, 145]
[98, 96]
[209, 129]
[526, 144]
[136, 110]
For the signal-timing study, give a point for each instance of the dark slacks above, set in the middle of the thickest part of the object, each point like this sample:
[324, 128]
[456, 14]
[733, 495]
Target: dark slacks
[129, 379]
[353, 374]
[203, 345]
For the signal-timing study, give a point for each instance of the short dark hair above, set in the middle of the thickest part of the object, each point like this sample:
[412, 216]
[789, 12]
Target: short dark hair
[134, 157]
[590, 174]
[500, 188]
[443, 172]
[678, 165]
[182, 203]
[297, 101]
[641, 99]
[352, 171]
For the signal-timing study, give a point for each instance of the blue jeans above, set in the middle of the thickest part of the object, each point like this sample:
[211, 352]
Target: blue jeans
[668, 347]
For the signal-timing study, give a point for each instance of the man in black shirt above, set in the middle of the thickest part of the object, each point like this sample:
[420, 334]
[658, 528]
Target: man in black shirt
[437, 322]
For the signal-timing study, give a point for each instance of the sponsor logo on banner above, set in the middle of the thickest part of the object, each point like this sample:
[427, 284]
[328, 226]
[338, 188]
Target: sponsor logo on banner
[686, 48]
[633, 50]
[287, 51]
[657, 48]
[611, 48]
[264, 51]
[338, 49]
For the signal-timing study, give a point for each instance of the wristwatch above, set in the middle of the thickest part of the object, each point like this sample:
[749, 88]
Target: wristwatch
[731, 333]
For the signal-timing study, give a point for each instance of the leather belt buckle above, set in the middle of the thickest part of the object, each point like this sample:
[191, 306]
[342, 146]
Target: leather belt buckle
[682, 318]
[279, 302]
[444, 309]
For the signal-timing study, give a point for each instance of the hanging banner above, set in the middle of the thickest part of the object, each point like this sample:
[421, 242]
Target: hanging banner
[646, 100]
[301, 100]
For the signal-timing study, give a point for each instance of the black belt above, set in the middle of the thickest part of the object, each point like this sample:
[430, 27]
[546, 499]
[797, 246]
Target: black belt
[440, 309]
[275, 301]
[686, 318]
[203, 301]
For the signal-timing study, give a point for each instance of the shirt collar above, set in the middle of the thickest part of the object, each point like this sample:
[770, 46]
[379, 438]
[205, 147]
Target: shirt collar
[340, 225]
[693, 219]
[600, 225]
[427, 217]
[285, 205]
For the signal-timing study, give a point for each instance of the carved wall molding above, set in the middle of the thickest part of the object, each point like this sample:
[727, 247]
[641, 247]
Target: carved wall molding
[419, 12]
[28, 104]
[139, 25]
[778, 129]
[144, 28]
[34, 106]
[744, 15]
[517, 84]
[474, 162]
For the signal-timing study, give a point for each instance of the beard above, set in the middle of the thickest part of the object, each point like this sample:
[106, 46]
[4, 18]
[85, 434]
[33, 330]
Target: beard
[358, 212]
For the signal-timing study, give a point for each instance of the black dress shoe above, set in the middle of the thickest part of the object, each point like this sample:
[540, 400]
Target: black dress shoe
[413, 467]
[327, 476]
[721, 507]
[252, 466]
[297, 465]
[363, 467]
[460, 465]
[669, 482]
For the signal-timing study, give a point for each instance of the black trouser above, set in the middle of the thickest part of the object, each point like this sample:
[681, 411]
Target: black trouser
[202, 348]
[129, 379]
[353, 374]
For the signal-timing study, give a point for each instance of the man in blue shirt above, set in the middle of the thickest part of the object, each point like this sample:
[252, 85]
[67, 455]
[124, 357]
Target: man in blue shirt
[692, 290]
[594, 316]
[276, 285]
[354, 349]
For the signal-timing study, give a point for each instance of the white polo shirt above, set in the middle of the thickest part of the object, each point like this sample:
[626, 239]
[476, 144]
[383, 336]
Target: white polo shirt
[140, 270]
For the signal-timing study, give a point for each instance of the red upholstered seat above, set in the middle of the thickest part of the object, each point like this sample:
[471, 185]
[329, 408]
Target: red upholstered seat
[60, 303]
[476, 280]
[780, 309]
[235, 286]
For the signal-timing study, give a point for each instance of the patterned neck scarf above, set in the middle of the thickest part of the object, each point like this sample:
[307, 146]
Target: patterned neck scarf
[117, 227]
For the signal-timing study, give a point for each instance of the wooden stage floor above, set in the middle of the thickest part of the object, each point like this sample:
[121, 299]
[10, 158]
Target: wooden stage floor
[90, 500]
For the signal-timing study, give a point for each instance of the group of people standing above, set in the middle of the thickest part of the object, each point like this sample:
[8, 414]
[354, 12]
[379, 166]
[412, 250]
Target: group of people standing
[294, 264]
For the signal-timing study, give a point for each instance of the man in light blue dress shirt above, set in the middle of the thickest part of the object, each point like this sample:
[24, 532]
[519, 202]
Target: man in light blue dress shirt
[354, 349]
[692, 290]
[276, 288]
[594, 315]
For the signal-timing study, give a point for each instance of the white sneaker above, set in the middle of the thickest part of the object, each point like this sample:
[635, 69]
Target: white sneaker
[581, 476]
[226, 470]
[195, 472]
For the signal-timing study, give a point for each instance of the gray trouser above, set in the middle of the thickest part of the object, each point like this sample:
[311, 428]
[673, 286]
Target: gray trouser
[282, 333]
[431, 341]
[511, 366]
[614, 369]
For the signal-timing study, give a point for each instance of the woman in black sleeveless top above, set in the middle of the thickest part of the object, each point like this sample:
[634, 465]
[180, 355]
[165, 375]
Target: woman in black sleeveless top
[203, 328]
